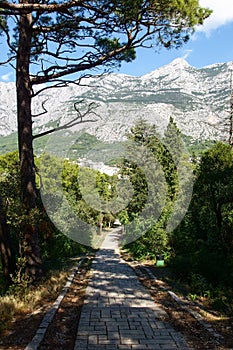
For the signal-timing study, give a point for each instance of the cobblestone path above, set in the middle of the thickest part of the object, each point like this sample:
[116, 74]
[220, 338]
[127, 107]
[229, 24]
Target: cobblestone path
[119, 312]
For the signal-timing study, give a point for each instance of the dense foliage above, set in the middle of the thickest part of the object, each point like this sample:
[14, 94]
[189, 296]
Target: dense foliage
[203, 243]
[155, 177]
[199, 249]
[55, 244]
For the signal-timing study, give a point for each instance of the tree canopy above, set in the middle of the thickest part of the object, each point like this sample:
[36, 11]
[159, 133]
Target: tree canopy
[75, 36]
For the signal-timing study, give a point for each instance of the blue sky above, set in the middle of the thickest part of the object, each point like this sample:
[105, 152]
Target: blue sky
[211, 43]
[200, 51]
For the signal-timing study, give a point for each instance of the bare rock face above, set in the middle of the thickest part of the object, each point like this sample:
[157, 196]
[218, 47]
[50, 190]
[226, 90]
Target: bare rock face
[197, 99]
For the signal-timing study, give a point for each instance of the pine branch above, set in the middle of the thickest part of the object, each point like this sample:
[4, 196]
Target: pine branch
[78, 120]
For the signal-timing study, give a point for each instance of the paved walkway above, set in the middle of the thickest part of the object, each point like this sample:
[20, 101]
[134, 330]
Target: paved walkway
[118, 312]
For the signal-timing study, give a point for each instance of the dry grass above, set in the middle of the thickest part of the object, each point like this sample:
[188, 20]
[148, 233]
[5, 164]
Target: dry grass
[33, 299]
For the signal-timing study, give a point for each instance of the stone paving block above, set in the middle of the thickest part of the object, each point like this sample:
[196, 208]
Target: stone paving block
[99, 327]
[147, 329]
[147, 347]
[131, 332]
[168, 342]
[110, 342]
[119, 313]
[113, 335]
[123, 324]
[96, 321]
[82, 338]
[83, 333]
[99, 332]
[92, 339]
[160, 332]
[102, 337]
[96, 347]
[80, 345]
[129, 341]
[77, 347]
[113, 328]
[160, 325]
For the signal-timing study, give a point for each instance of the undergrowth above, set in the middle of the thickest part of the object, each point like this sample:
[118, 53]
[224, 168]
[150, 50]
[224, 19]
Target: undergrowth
[23, 298]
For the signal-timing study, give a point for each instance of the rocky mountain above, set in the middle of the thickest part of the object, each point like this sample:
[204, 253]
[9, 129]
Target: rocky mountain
[197, 99]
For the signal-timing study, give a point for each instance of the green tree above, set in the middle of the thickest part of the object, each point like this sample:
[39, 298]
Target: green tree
[145, 167]
[173, 140]
[215, 188]
[9, 182]
[54, 39]
[136, 163]
[203, 242]
[165, 173]
[106, 186]
[76, 192]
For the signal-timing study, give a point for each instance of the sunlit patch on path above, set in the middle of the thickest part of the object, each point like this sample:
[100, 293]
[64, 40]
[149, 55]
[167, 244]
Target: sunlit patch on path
[118, 312]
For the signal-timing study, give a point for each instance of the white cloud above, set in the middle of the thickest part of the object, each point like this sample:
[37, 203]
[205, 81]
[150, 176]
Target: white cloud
[187, 53]
[6, 77]
[222, 14]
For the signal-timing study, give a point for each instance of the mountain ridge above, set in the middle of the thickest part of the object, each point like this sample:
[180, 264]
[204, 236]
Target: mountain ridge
[197, 98]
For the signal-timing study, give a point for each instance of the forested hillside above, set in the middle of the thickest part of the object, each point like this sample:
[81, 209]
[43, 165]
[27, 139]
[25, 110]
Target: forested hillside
[199, 247]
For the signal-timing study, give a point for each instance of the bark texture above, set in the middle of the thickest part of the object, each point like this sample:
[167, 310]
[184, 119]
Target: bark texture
[25, 144]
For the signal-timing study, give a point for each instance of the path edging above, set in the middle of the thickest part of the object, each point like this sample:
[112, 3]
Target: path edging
[48, 317]
[185, 307]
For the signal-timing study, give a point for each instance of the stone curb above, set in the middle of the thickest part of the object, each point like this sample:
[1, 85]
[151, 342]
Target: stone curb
[185, 307]
[196, 315]
[48, 318]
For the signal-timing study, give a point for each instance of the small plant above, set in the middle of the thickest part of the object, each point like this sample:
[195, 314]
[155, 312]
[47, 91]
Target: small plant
[198, 284]
[192, 297]
[21, 280]
[207, 294]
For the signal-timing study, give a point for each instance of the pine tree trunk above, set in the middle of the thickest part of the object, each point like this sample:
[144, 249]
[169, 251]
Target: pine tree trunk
[6, 249]
[25, 144]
